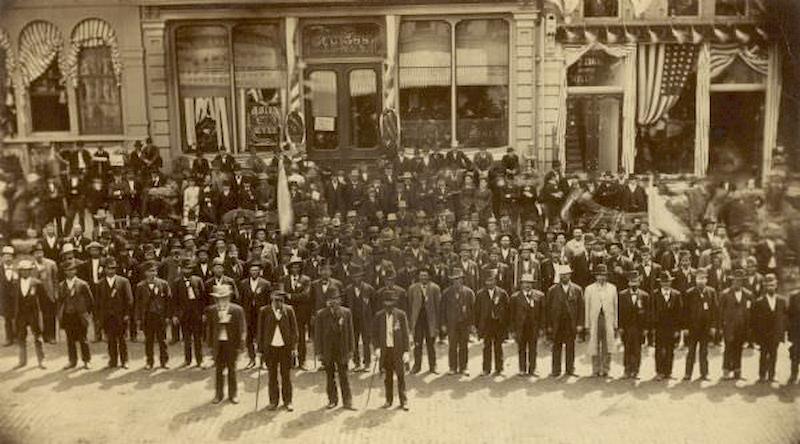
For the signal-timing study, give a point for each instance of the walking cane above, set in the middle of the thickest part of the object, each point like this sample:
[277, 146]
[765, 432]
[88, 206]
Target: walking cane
[371, 380]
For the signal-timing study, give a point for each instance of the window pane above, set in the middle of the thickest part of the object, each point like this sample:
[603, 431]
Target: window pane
[49, 109]
[321, 107]
[594, 126]
[731, 7]
[99, 108]
[482, 82]
[600, 8]
[596, 68]
[683, 7]
[425, 83]
[364, 108]
[736, 133]
[204, 86]
[260, 76]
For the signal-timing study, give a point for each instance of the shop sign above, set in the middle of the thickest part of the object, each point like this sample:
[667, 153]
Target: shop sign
[343, 40]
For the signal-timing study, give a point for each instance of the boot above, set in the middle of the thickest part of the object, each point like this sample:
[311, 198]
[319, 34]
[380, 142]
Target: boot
[23, 356]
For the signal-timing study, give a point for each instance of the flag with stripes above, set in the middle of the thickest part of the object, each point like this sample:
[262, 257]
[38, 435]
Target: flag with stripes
[285, 211]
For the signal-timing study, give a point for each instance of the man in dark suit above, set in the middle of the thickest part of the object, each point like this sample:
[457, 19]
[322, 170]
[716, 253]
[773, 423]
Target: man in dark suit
[91, 272]
[634, 304]
[632, 197]
[28, 295]
[391, 339]
[793, 328]
[565, 319]
[491, 318]
[114, 301]
[667, 323]
[648, 275]
[255, 291]
[359, 297]
[191, 300]
[321, 286]
[75, 308]
[333, 341]
[7, 281]
[457, 312]
[298, 289]
[424, 299]
[735, 306]
[154, 312]
[769, 325]
[226, 326]
[277, 339]
[702, 317]
[527, 317]
[769, 255]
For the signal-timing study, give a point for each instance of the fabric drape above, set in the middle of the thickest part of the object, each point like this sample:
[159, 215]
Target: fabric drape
[662, 73]
[39, 44]
[216, 108]
[772, 103]
[92, 33]
[722, 56]
[628, 51]
[293, 71]
[702, 110]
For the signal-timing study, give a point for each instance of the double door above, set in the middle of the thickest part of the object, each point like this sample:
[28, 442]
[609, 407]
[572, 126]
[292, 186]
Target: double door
[343, 109]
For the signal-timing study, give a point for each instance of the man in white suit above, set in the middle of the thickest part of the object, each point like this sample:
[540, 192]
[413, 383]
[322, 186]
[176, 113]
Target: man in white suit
[601, 320]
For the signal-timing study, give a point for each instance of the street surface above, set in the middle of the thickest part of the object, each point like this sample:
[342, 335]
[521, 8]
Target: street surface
[173, 406]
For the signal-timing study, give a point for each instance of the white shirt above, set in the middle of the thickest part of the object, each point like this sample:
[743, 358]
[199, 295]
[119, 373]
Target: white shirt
[9, 274]
[738, 295]
[771, 301]
[389, 332]
[71, 283]
[110, 281]
[224, 318]
[25, 285]
[96, 270]
[772, 262]
[277, 338]
[189, 290]
[253, 285]
[667, 294]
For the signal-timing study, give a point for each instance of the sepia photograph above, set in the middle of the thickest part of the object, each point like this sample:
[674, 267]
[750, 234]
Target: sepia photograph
[400, 221]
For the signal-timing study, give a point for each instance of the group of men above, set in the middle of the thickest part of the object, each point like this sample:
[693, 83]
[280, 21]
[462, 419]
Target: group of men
[389, 272]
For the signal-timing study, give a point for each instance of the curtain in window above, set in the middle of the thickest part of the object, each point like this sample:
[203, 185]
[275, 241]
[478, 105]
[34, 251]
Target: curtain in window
[640, 6]
[772, 105]
[39, 44]
[390, 93]
[200, 113]
[722, 56]
[571, 55]
[92, 33]
[702, 120]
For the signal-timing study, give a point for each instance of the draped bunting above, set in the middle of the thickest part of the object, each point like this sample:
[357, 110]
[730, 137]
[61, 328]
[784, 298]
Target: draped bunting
[702, 120]
[722, 56]
[195, 109]
[91, 33]
[640, 6]
[11, 56]
[771, 109]
[39, 44]
[571, 55]
[663, 70]
[567, 7]
[390, 91]
[293, 71]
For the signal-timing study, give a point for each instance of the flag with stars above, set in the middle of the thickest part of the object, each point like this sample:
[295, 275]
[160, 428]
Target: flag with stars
[663, 70]
[678, 63]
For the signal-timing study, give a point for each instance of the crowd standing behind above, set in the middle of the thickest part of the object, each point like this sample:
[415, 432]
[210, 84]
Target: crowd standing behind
[431, 247]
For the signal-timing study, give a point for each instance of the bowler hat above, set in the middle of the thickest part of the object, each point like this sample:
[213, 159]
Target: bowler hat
[664, 276]
[601, 269]
[278, 294]
[456, 273]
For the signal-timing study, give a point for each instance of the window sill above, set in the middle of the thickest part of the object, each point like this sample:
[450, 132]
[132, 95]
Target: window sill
[67, 137]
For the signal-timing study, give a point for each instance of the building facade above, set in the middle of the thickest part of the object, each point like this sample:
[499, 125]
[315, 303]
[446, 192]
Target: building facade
[675, 86]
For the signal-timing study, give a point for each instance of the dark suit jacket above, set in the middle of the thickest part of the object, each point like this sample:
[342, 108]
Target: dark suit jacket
[632, 201]
[328, 326]
[400, 331]
[667, 317]
[37, 292]
[793, 318]
[769, 326]
[559, 303]
[267, 323]
[236, 327]
[363, 307]
[114, 302]
[701, 309]
[735, 316]
[299, 296]
[144, 298]
[485, 306]
[458, 307]
[318, 296]
[520, 308]
[185, 307]
[253, 302]
[431, 306]
[84, 300]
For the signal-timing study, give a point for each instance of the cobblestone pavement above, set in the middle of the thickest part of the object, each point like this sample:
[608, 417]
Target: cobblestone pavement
[139, 406]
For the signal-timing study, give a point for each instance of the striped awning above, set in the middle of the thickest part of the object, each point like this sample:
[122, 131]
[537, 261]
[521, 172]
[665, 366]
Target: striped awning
[92, 33]
[749, 34]
[11, 56]
[39, 43]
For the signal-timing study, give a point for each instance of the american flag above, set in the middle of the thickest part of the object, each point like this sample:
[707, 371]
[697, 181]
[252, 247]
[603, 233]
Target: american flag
[678, 62]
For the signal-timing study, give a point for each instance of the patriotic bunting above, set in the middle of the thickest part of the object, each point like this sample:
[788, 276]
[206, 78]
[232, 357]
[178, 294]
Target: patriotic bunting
[92, 33]
[39, 43]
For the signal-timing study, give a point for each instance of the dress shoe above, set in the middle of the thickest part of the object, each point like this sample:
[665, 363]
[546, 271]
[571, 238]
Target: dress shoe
[124, 365]
[703, 377]
[272, 407]
[465, 373]
[70, 365]
[111, 365]
[555, 374]
[387, 405]
[20, 365]
[485, 373]
[522, 374]
[234, 400]
[250, 364]
[42, 366]
[199, 365]
[87, 365]
[148, 366]
[415, 370]
[216, 400]
[331, 405]
[498, 373]
[433, 371]
[404, 407]
[289, 407]
[687, 378]
[164, 366]
[533, 373]
[349, 407]
[451, 372]
[186, 363]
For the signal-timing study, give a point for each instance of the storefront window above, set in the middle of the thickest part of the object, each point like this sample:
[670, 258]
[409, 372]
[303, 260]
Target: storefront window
[731, 7]
[600, 8]
[99, 107]
[596, 68]
[425, 83]
[321, 104]
[204, 85]
[48, 101]
[364, 108]
[736, 133]
[594, 129]
[683, 7]
[482, 83]
[260, 79]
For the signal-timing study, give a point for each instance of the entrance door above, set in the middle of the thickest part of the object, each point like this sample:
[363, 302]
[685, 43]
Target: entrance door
[594, 130]
[343, 108]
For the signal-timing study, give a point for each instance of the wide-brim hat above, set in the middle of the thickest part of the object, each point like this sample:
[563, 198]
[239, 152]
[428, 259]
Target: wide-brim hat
[278, 294]
[601, 269]
[221, 291]
[295, 260]
[94, 244]
[456, 273]
[664, 276]
[8, 249]
[25, 264]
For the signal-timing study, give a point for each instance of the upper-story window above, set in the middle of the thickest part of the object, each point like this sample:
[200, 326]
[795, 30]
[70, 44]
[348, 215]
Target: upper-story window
[731, 7]
[49, 104]
[99, 106]
[683, 7]
[601, 8]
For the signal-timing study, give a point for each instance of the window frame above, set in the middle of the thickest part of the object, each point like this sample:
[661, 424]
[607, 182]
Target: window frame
[600, 17]
[452, 21]
[236, 147]
[72, 107]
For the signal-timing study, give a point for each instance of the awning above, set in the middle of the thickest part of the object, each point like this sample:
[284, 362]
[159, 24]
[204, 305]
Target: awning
[749, 34]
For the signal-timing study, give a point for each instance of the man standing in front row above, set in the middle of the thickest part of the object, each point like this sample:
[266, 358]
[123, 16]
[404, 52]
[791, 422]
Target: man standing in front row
[277, 338]
[226, 327]
[334, 342]
[564, 319]
[29, 297]
[391, 336]
[154, 300]
[633, 322]
[769, 325]
[75, 307]
[458, 302]
[734, 312]
[601, 320]
[527, 319]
